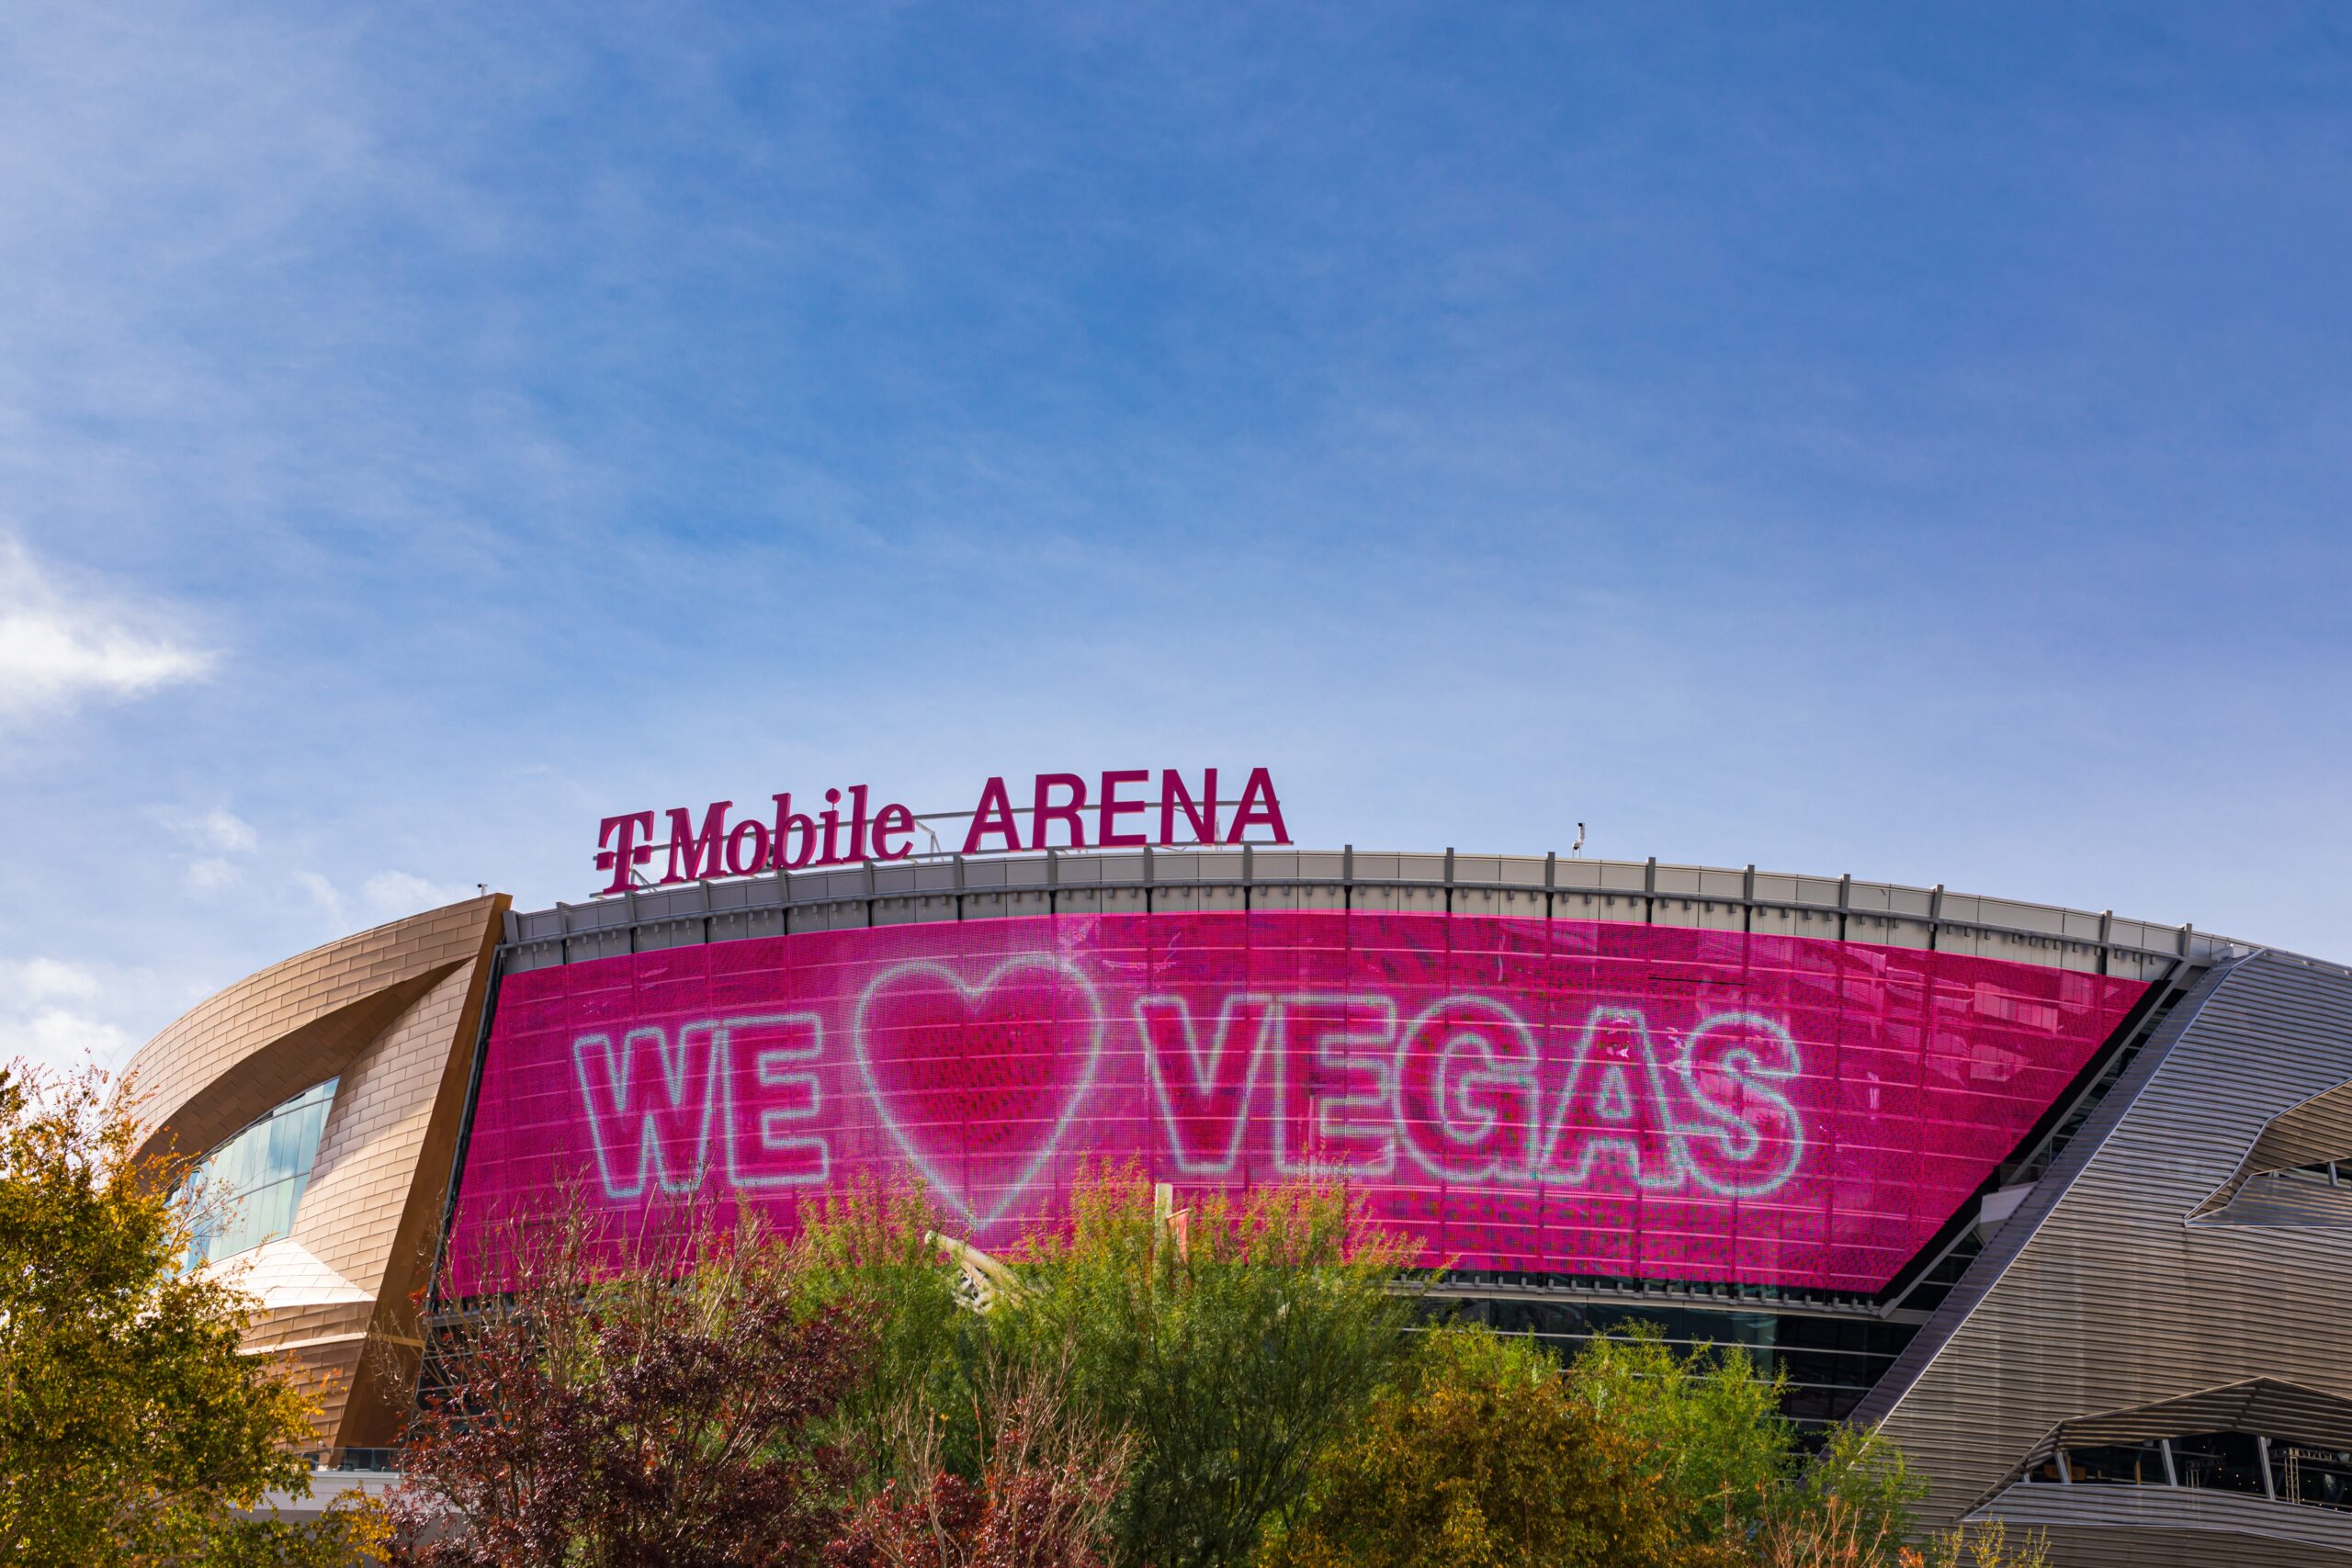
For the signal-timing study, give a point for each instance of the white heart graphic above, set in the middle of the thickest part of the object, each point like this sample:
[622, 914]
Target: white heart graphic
[1073, 1096]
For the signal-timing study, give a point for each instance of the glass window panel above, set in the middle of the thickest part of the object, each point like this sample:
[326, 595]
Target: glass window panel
[2309, 1472]
[2129, 1464]
[255, 1179]
[2219, 1461]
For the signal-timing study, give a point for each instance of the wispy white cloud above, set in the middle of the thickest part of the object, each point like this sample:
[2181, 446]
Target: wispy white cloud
[43, 979]
[221, 830]
[60, 1014]
[322, 892]
[215, 840]
[59, 650]
[212, 874]
[61, 1037]
[398, 893]
[387, 894]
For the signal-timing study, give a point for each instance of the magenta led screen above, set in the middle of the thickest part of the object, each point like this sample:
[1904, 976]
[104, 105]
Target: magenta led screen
[1549, 1096]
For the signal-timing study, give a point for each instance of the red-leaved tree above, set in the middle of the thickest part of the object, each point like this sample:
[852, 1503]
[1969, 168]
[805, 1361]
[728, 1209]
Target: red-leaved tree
[669, 1412]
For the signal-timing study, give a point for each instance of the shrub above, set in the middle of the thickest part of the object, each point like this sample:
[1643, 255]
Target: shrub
[1234, 1345]
[1047, 1480]
[1480, 1456]
[669, 1412]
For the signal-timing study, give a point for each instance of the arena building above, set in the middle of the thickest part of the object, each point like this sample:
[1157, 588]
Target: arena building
[2049, 1195]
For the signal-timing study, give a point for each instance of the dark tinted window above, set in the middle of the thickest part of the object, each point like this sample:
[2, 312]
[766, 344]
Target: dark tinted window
[2141, 1464]
[2310, 1472]
[2219, 1461]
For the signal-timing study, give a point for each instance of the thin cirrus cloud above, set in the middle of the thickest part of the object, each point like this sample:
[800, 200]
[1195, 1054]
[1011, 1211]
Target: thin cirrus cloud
[217, 842]
[388, 895]
[58, 650]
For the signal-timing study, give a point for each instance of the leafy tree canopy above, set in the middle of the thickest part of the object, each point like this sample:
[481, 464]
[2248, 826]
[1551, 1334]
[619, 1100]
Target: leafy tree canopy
[131, 1428]
[1479, 1456]
[1234, 1343]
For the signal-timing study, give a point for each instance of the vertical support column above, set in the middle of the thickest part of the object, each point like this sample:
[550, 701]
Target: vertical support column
[2269, 1484]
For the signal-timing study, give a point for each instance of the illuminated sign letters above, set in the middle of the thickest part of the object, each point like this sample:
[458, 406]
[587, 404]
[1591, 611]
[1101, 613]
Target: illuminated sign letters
[1551, 1096]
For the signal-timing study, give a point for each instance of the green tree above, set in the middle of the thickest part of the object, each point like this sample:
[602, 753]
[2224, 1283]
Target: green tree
[1710, 1428]
[1731, 1462]
[871, 1252]
[1480, 1456]
[1854, 1496]
[132, 1429]
[1985, 1546]
[1234, 1343]
[1630, 1454]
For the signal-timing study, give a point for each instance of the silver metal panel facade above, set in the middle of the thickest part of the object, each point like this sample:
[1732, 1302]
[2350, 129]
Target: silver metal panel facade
[1739, 898]
[2102, 1294]
[2133, 1527]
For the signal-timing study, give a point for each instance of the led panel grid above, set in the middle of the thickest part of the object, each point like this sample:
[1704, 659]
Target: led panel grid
[1549, 1096]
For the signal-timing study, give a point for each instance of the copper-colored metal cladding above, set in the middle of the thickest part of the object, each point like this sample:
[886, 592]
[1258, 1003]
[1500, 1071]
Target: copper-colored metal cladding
[395, 1012]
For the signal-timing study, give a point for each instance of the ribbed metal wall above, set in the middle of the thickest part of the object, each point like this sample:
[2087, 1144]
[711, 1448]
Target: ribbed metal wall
[2100, 1294]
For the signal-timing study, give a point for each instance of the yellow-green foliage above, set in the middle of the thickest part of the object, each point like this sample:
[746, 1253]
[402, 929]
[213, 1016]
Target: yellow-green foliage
[1480, 1456]
[130, 1426]
[1232, 1347]
[1487, 1451]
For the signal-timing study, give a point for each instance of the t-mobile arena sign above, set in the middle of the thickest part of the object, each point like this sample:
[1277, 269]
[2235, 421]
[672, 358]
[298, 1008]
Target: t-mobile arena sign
[1121, 812]
[1552, 1096]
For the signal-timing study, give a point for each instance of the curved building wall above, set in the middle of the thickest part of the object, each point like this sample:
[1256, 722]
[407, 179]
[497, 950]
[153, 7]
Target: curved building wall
[1777, 1107]
[393, 1014]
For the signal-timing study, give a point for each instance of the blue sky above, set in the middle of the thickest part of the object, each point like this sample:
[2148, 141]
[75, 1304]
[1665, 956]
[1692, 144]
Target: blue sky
[1847, 439]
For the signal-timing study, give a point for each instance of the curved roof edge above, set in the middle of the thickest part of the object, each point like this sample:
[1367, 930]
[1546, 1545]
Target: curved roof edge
[336, 989]
[1642, 892]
